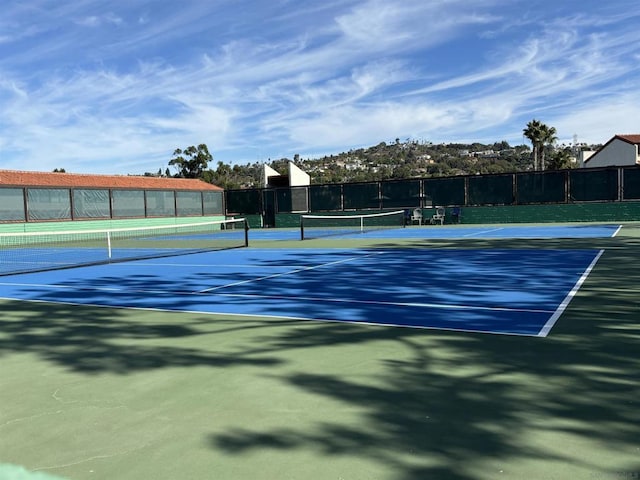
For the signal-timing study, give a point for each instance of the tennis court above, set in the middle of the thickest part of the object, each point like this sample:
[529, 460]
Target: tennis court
[286, 359]
[503, 291]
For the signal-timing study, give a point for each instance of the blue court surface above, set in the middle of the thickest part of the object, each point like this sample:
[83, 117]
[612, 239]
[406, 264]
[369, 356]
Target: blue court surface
[450, 232]
[518, 292]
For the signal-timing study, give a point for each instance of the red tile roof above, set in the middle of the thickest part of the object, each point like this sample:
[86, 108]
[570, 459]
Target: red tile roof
[632, 138]
[16, 178]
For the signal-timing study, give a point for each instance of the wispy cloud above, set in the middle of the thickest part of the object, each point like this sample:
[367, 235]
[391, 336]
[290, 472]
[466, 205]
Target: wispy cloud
[98, 20]
[118, 90]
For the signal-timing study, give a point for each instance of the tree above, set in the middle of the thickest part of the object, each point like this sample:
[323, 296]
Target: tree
[561, 159]
[191, 162]
[540, 135]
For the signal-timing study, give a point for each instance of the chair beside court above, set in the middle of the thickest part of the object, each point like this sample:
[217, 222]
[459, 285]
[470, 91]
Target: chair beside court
[416, 216]
[438, 217]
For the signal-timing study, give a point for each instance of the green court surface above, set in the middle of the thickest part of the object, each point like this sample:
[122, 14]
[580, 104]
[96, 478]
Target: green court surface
[102, 393]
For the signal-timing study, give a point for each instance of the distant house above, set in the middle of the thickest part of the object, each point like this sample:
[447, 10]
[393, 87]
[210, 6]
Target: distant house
[620, 151]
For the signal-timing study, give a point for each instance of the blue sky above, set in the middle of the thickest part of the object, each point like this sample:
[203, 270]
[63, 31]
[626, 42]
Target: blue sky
[114, 87]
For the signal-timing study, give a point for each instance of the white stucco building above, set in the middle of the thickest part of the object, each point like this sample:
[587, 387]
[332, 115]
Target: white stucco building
[620, 151]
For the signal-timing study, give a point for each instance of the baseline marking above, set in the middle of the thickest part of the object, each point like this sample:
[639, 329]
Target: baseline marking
[282, 317]
[565, 303]
[617, 231]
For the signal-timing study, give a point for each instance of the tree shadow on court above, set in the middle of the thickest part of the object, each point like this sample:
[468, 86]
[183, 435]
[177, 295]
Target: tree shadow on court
[454, 406]
[383, 286]
[428, 404]
[95, 340]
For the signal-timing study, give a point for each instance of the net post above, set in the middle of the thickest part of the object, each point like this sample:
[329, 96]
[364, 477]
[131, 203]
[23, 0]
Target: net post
[301, 227]
[246, 232]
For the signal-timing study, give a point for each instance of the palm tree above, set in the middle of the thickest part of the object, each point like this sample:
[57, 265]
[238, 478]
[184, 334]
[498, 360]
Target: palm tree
[549, 138]
[540, 135]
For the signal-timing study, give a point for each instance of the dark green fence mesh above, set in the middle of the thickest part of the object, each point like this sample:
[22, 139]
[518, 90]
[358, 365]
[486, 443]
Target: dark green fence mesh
[299, 199]
[602, 184]
[491, 190]
[631, 183]
[292, 199]
[400, 194]
[269, 207]
[541, 187]
[243, 201]
[283, 200]
[444, 191]
[361, 195]
[593, 185]
[325, 198]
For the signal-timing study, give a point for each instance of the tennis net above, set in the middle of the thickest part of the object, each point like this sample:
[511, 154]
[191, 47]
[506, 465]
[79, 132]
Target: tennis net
[40, 251]
[316, 226]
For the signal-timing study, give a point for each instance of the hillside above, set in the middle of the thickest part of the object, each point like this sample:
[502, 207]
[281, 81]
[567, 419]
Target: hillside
[397, 160]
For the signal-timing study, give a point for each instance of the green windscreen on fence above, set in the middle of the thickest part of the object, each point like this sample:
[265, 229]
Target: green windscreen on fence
[400, 194]
[49, 204]
[188, 203]
[491, 190]
[631, 183]
[161, 203]
[243, 201]
[444, 191]
[593, 185]
[325, 198]
[12, 204]
[292, 199]
[299, 199]
[283, 200]
[91, 203]
[541, 187]
[361, 195]
[213, 203]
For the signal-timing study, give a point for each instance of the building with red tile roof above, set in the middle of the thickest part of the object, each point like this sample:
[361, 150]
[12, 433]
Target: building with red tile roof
[52, 196]
[16, 178]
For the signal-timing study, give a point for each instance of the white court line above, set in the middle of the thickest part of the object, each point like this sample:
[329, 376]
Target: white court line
[278, 317]
[444, 306]
[565, 303]
[290, 272]
[483, 231]
[92, 289]
[394, 304]
[617, 231]
[216, 265]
